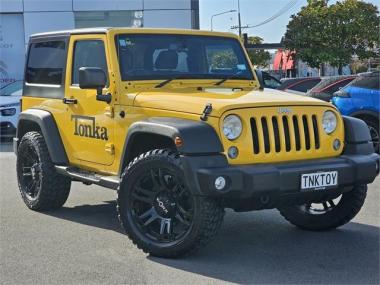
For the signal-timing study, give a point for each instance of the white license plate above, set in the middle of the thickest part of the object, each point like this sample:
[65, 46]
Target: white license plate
[319, 180]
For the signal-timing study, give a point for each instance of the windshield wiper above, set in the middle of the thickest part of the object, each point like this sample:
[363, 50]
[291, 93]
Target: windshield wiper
[232, 76]
[166, 81]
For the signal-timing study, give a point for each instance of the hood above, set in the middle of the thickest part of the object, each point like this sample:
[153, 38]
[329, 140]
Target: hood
[9, 100]
[222, 100]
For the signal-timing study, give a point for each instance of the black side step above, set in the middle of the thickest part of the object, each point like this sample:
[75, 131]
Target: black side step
[111, 182]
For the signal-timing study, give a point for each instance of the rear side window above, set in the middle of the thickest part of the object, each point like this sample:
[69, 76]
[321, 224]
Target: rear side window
[305, 86]
[46, 63]
[88, 53]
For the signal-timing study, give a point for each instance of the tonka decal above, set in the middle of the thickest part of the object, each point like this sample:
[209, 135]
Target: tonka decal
[86, 127]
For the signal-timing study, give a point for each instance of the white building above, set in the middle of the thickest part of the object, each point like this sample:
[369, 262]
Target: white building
[21, 18]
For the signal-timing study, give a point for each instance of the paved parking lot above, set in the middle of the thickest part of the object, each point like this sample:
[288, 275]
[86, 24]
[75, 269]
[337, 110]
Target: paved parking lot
[82, 244]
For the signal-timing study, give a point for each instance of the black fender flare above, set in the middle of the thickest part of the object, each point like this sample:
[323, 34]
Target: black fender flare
[357, 137]
[49, 130]
[198, 138]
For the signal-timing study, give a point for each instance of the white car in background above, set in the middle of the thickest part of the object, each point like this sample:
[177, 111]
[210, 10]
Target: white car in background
[10, 96]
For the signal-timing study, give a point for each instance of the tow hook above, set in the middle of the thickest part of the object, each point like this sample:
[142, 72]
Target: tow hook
[206, 111]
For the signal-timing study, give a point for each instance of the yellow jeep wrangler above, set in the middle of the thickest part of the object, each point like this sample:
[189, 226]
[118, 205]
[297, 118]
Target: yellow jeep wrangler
[177, 122]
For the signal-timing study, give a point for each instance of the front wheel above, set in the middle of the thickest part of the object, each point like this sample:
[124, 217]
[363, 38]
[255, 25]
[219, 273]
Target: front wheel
[329, 214]
[158, 211]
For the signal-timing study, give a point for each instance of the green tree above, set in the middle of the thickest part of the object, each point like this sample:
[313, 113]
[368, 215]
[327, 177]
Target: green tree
[354, 28]
[333, 34]
[305, 34]
[258, 57]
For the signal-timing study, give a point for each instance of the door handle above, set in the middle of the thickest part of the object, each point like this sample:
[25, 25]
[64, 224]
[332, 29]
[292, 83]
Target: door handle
[69, 101]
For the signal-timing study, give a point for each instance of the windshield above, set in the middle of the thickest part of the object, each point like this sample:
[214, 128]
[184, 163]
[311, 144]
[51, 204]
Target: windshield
[145, 56]
[14, 88]
[367, 81]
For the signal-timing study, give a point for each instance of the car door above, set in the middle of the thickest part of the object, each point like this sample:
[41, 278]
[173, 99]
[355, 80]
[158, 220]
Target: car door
[361, 91]
[91, 121]
[375, 92]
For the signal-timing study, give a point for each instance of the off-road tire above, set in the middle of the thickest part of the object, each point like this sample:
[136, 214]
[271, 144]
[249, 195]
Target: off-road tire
[52, 189]
[347, 208]
[208, 213]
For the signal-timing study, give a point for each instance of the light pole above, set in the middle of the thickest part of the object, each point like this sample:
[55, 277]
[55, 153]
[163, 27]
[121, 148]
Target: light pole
[239, 18]
[225, 12]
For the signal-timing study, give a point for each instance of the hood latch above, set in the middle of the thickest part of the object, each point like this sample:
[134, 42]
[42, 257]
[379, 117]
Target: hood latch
[206, 111]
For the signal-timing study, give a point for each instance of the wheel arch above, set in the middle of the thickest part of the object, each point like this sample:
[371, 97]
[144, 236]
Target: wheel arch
[197, 138]
[366, 114]
[43, 122]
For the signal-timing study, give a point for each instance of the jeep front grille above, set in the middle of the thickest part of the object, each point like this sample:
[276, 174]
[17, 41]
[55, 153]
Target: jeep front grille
[283, 133]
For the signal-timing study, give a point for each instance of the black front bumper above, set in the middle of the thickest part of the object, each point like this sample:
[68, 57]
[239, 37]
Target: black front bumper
[283, 178]
[357, 165]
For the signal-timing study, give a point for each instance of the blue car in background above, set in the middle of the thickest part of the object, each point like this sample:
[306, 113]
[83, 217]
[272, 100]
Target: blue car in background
[360, 99]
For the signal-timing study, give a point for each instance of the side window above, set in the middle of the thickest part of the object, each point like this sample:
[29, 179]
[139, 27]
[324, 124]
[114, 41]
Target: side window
[337, 86]
[221, 59]
[88, 53]
[46, 63]
[270, 81]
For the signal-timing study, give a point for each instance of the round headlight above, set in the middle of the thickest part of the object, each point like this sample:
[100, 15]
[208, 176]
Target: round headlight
[232, 127]
[329, 122]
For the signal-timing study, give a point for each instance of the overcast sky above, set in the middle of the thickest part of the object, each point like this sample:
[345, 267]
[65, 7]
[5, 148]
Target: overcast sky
[252, 12]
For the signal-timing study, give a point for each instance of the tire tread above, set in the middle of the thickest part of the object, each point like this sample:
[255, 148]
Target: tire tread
[55, 187]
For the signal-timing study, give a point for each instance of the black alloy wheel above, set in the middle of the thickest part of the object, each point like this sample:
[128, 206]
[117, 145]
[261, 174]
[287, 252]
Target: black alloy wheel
[320, 208]
[374, 132]
[162, 207]
[30, 179]
[329, 214]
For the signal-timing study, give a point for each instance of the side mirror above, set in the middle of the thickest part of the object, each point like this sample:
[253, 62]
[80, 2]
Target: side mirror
[94, 78]
[342, 93]
[259, 75]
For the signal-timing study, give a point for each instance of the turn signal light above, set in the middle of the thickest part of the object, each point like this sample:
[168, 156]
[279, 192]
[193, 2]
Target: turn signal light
[178, 141]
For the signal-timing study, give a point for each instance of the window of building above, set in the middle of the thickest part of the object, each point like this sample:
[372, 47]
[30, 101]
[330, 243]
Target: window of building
[88, 53]
[46, 63]
[90, 19]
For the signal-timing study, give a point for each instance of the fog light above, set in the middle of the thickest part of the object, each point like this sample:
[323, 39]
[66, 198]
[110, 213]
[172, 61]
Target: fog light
[233, 152]
[220, 183]
[336, 144]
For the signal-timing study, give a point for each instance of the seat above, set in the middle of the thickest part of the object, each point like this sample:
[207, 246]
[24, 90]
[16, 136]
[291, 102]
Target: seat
[166, 60]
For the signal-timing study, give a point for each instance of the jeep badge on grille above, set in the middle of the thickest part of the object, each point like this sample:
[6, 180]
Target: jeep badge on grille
[284, 110]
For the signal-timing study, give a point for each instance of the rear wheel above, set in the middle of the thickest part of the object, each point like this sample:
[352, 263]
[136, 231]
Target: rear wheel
[373, 126]
[328, 214]
[159, 212]
[41, 187]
